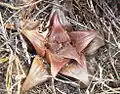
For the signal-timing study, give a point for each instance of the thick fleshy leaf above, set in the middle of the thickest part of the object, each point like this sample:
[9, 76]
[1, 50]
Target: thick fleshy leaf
[58, 59]
[75, 70]
[56, 62]
[54, 47]
[37, 40]
[57, 34]
[37, 74]
[44, 34]
[67, 51]
[81, 39]
[94, 45]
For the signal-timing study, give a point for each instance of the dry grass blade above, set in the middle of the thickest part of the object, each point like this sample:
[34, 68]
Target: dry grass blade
[30, 29]
[9, 75]
[14, 60]
[19, 7]
[9, 6]
[20, 74]
[2, 59]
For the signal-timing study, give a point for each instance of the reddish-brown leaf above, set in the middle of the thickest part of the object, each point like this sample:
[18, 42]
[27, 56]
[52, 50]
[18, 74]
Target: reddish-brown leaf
[81, 39]
[57, 34]
[59, 45]
[94, 45]
[67, 51]
[54, 47]
[56, 62]
[62, 56]
[75, 70]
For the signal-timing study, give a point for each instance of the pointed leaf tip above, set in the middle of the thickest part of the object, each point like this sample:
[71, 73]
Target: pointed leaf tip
[68, 51]
[81, 39]
[75, 70]
[97, 42]
[58, 34]
[37, 74]
[56, 62]
[62, 18]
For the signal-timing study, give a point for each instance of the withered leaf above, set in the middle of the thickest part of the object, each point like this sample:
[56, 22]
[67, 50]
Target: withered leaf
[37, 74]
[37, 40]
